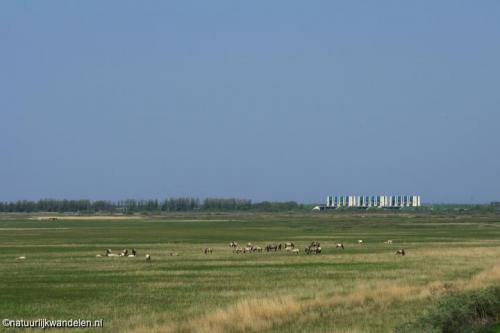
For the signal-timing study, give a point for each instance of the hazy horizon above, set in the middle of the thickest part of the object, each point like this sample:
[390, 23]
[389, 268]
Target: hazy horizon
[277, 101]
[424, 203]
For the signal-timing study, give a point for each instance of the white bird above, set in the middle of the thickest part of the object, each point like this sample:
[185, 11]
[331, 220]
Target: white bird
[21, 258]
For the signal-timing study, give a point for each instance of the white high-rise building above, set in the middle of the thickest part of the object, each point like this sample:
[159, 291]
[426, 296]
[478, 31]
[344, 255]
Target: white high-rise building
[382, 201]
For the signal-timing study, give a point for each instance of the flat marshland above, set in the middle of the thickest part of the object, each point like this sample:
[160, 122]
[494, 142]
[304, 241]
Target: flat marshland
[364, 288]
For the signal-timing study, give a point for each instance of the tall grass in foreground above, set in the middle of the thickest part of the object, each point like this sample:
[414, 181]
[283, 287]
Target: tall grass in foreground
[460, 312]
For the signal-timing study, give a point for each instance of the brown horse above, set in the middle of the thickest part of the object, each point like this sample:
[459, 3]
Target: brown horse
[271, 247]
[313, 250]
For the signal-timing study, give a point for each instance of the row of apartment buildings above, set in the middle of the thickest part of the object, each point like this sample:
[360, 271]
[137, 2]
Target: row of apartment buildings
[387, 201]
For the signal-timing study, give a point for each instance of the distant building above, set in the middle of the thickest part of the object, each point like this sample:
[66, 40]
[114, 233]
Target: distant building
[382, 201]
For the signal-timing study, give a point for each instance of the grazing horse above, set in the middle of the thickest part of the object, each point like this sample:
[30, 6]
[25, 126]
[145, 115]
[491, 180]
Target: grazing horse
[340, 245]
[134, 252]
[313, 250]
[233, 244]
[148, 258]
[238, 250]
[289, 244]
[388, 241]
[248, 249]
[208, 250]
[296, 251]
[400, 252]
[124, 253]
[271, 247]
[314, 243]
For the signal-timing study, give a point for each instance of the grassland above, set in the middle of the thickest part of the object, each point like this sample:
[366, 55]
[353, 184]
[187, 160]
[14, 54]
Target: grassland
[361, 289]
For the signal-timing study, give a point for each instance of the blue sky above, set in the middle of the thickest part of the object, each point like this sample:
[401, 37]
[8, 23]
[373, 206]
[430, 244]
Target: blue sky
[267, 100]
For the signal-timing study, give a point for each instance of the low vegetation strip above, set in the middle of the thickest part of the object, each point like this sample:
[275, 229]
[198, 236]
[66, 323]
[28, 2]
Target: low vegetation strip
[461, 312]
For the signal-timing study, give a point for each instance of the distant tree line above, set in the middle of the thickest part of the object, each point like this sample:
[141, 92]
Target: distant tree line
[142, 206]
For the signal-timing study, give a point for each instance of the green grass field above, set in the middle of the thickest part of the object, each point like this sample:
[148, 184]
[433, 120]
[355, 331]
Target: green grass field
[364, 288]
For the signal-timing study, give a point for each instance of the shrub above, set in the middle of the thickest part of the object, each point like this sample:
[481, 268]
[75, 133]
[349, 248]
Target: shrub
[464, 312]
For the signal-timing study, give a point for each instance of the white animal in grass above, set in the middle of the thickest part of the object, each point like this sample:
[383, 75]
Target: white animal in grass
[148, 257]
[360, 241]
[388, 241]
[339, 245]
[296, 251]
[21, 258]
[109, 254]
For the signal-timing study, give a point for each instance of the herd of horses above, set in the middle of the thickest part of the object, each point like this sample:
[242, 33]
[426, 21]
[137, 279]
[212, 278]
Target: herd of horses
[249, 248]
[313, 248]
[124, 253]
